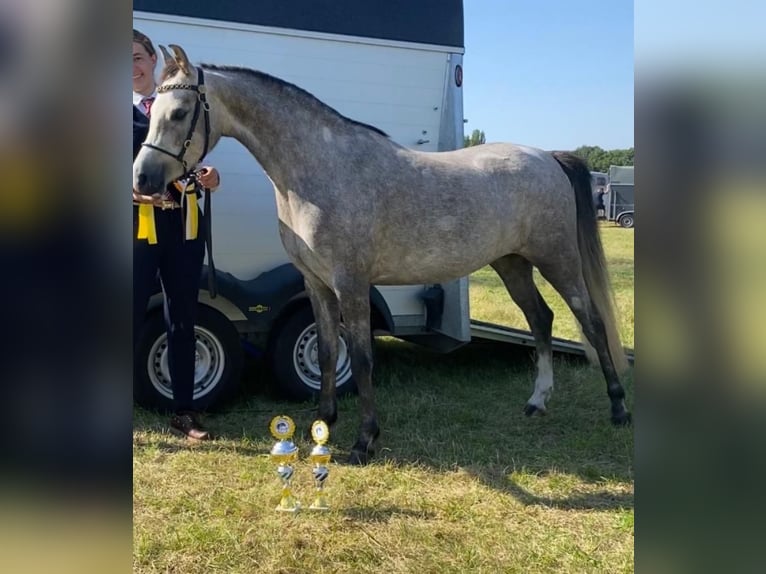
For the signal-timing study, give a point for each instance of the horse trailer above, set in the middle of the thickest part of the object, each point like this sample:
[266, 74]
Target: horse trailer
[402, 75]
[620, 197]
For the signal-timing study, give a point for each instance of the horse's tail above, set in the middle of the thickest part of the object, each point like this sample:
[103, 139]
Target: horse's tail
[594, 267]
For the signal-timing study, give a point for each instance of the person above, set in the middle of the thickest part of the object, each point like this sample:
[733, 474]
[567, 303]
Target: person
[600, 207]
[168, 242]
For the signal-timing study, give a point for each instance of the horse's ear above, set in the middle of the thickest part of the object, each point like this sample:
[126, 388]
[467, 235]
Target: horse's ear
[166, 55]
[181, 59]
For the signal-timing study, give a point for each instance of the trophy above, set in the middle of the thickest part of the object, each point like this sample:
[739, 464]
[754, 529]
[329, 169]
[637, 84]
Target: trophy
[283, 453]
[320, 456]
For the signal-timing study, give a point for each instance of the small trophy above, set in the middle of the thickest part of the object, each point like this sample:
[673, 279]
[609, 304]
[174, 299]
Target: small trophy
[320, 456]
[283, 453]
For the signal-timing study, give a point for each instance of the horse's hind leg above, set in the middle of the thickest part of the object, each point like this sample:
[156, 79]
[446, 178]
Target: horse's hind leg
[324, 303]
[568, 280]
[354, 299]
[516, 273]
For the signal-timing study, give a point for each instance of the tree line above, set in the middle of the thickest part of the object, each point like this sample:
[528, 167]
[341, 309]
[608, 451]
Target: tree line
[598, 159]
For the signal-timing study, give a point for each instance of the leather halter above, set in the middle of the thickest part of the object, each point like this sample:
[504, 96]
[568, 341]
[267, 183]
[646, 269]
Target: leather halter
[202, 104]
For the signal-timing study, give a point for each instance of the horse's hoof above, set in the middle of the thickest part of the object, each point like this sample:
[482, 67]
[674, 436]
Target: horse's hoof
[530, 409]
[358, 458]
[622, 419]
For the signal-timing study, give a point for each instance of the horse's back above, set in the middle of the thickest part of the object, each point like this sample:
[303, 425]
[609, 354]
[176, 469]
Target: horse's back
[507, 179]
[452, 212]
[501, 157]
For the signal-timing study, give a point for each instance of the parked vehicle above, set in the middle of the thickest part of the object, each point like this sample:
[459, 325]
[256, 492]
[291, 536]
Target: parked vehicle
[619, 198]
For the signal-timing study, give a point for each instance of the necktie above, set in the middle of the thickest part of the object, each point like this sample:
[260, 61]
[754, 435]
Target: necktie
[147, 105]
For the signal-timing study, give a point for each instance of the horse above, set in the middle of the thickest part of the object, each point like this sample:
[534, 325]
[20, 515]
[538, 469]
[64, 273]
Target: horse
[357, 209]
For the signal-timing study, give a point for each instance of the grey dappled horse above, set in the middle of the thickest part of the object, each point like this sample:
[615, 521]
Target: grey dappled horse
[357, 209]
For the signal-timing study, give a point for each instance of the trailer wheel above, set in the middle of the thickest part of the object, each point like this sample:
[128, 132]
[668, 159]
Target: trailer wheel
[293, 356]
[218, 367]
[626, 220]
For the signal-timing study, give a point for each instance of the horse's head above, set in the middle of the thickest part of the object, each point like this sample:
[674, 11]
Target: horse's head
[179, 127]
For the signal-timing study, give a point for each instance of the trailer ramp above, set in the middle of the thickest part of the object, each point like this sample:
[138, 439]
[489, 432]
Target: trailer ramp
[492, 332]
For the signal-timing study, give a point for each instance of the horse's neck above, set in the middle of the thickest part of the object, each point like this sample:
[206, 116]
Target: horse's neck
[271, 126]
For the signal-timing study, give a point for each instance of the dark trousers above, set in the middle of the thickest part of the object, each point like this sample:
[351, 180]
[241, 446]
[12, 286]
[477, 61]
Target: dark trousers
[178, 262]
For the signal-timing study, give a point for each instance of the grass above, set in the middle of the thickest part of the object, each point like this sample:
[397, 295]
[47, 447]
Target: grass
[463, 481]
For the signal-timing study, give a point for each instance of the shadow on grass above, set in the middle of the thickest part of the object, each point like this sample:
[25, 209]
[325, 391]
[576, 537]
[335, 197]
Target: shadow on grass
[174, 445]
[592, 501]
[464, 411]
[460, 411]
[245, 415]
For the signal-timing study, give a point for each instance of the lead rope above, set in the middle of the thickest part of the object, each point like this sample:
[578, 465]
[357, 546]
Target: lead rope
[208, 217]
[211, 279]
[212, 286]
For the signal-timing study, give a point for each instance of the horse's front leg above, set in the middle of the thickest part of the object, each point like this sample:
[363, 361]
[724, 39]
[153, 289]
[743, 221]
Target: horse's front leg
[355, 306]
[327, 315]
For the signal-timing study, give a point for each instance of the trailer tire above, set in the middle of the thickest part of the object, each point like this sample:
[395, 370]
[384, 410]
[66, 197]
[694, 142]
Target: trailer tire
[627, 220]
[218, 369]
[293, 358]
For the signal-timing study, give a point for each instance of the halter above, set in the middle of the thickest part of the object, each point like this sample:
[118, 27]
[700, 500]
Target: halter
[201, 103]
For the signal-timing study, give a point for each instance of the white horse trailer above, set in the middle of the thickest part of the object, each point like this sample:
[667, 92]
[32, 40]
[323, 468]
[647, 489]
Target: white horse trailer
[395, 65]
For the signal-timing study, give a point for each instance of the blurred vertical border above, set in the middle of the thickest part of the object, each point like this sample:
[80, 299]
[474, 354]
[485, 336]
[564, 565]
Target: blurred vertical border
[65, 269]
[701, 285]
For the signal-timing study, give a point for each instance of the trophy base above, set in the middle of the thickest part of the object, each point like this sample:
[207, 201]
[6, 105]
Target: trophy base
[293, 509]
[320, 503]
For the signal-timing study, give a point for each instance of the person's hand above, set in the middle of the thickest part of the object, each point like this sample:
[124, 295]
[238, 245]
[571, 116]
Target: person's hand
[208, 177]
[155, 199]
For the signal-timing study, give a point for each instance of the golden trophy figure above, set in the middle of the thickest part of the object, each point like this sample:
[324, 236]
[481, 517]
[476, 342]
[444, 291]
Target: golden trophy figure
[320, 456]
[283, 453]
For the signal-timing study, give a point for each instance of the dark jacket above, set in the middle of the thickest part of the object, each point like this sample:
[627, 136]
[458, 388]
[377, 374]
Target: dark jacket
[140, 129]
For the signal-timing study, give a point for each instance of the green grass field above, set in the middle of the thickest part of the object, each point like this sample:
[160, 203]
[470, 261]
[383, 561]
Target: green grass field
[464, 482]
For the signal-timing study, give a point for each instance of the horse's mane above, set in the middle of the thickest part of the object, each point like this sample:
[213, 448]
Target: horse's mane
[171, 68]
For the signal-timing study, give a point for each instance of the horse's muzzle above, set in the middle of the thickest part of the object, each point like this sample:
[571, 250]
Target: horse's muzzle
[149, 181]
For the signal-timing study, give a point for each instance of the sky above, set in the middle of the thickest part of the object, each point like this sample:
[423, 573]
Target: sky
[552, 74]
[689, 34]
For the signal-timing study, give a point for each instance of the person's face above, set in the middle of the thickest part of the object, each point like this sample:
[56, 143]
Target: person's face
[143, 69]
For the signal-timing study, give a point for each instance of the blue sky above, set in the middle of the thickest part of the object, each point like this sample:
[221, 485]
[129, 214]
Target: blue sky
[553, 74]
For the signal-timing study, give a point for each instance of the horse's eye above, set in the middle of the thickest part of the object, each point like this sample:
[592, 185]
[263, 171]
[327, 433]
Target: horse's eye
[178, 115]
